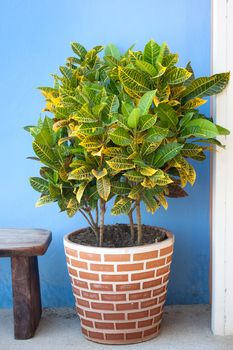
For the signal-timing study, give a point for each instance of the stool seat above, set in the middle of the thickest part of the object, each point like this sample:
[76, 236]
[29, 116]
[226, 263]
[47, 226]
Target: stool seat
[23, 246]
[23, 242]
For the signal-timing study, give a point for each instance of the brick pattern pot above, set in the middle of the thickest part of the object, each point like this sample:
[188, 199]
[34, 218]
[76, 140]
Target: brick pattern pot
[120, 292]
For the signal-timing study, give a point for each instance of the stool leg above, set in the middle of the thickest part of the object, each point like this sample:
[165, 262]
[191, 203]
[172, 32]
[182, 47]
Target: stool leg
[26, 295]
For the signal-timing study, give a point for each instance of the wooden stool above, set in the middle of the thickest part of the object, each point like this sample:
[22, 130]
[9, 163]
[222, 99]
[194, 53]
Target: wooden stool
[23, 246]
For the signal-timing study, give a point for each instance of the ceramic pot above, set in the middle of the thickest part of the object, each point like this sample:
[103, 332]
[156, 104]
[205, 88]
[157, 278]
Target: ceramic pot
[119, 292]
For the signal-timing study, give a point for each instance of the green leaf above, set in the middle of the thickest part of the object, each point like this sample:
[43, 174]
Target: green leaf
[147, 121]
[39, 184]
[189, 150]
[185, 119]
[135, 192]
[79, 49]
[72, 207]
[62, 112]
[103, 187]
[48, 91]
[83, 115]
[211, 142]
[146, 67]
[133, 80]
[120, 137]
[54, 191]
[111, 61]
[166, 153]
[134, 176]
[44, 199]
[167, 114]
[170, 60]
[222, 130]
[48, 174]
[160, 178]
[67, 72]
[126, 108]
[46, 155]
[192, 77]
[176, 75]
[151, 52]
[146, 101]
[151, 204]
[91, 143]
[89, 129]
[116, 152]
[120, 164]
[204, 128]
[119, 188]
[149, 147]
[199, 157]
[133, 118]
[46, 135]
[98, 48]
[156, 134]
[121, 206]
[161, 54]
[81, 173]
[112, 50]
[112, 104]
[206, 86]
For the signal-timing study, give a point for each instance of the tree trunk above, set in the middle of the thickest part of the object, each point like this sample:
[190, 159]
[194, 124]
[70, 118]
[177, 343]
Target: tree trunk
[130, 215]
[102, 213]
[139, 222]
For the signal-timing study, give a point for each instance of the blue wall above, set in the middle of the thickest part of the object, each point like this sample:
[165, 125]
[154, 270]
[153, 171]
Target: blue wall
[35, 37]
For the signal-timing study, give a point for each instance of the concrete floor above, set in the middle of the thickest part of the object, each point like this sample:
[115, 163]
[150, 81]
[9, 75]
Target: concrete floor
[184, 328]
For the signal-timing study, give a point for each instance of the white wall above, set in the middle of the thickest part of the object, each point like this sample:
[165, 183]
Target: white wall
[222, 205]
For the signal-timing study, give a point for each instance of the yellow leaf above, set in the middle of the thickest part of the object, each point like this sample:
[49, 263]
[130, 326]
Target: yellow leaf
[194, 103]
[103, 187]
[191, 175]
[147, 171]
[156, 101]
[162, 200]
[99, 173]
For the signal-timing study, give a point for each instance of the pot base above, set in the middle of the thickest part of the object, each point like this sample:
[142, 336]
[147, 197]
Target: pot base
[124, 341]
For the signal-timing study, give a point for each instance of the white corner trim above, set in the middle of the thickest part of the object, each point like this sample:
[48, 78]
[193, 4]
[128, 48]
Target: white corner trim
[222, 195]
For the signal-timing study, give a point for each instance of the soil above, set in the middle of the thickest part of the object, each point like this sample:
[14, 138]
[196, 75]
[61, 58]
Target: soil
[118, 236]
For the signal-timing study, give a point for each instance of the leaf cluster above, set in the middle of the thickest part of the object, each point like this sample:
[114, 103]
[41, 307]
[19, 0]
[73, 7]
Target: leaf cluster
[124, 126]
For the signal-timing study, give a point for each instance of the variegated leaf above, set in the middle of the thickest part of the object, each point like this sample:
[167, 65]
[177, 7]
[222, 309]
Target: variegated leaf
[134, 176]
[103, 187]
[81, 173]
[122, 206]
[117, 163]
[133, 80]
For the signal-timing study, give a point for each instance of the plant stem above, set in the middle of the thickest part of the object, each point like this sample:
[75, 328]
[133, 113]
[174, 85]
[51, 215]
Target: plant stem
[102, 213]
[97, 215]
[139, 222]
[130, 215]
[88, 211]
[93, 227]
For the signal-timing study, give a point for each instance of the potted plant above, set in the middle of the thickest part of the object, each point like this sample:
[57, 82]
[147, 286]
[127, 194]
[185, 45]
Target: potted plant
[122, 132]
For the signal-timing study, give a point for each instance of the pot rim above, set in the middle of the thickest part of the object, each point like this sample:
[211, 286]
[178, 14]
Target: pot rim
[120, 250]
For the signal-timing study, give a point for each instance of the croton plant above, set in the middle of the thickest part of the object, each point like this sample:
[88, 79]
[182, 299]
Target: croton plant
[122, 127]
